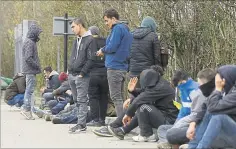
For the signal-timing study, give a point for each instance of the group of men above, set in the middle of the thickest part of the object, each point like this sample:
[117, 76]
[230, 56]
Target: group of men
[98, 68]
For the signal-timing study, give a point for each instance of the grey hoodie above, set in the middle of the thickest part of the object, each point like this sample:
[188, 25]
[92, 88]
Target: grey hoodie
[197, 108]
[30, 59]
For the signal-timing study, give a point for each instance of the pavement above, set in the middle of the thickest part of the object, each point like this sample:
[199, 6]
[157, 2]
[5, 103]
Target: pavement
[17, 132]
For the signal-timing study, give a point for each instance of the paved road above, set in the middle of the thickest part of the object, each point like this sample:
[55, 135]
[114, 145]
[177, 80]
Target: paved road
[16, 132]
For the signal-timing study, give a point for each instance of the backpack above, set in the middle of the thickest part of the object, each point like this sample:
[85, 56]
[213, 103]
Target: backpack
[164, 57]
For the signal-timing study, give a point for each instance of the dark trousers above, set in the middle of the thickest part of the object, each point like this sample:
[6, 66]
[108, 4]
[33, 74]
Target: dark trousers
[98, 97]
[150, 117]
[118, 123]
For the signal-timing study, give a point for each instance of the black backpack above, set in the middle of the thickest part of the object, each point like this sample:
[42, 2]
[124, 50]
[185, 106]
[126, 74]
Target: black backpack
[164, 57]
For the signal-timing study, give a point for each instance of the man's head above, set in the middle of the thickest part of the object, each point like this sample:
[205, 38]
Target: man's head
[150, 23]
[179, 77]
[47, 71]
[78, 26]
[110, 17]
[206, 80]
[94, 30]
[63, 77]
[227, 72]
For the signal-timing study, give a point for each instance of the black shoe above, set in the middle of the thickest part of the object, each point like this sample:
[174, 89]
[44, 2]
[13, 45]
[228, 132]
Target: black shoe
[56, 120]
[102, 132]
[117, 132]
[93, 124]
[78, 128]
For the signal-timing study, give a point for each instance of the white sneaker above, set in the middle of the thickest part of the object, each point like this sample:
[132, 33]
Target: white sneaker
[27, 114]
[140, 138]
[184, 146]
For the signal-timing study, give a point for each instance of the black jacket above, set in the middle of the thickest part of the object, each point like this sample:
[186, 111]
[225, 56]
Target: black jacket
[53, 82]
[97, 64]
[79, 63]
[219, 104]
[16, 87]
[155, 91]
[145, 50]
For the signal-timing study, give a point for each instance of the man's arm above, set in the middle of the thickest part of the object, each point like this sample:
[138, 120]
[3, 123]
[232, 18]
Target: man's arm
[62, 89]
[157, 51]
[223, 105]
[29, 53]
[147, 97]
[114, 42]
[87, 66]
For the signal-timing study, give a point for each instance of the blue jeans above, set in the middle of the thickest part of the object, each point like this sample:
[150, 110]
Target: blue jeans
[30, 85]
[47, 97]
[218, 131]
[18, 99]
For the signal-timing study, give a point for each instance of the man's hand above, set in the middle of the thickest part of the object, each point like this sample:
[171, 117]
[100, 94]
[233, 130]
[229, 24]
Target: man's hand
[69, 92]
[191, 131]
[126, 120]
[42, 89]
[132, 84]
[100, 53]
[126, 104]
[219, 83]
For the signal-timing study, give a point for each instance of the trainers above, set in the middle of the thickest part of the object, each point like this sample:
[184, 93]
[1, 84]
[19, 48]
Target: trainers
[164, 145]
[27, 114]
[117, 132]
[39, 113]
[47, 117]
[56, 120]
[95, 124]
[184, 146]
[103, 132]
[140, 138]
[78, 128]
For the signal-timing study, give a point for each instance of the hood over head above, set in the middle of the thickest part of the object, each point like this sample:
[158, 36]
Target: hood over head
[228, 72]
[94, 30]
[149, 78]
[33, 32]
[150, 23]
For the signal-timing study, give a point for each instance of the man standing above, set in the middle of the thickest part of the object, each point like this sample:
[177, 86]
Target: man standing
[116, 52]
[31, 67]
[79, 71]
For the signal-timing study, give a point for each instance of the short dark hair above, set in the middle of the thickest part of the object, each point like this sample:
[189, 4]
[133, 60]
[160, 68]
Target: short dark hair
[48, 69]
[111, 13]
[206, 75]
[78, 21]
[178, 76]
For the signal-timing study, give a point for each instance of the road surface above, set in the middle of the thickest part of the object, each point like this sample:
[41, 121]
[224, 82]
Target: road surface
[16, 132]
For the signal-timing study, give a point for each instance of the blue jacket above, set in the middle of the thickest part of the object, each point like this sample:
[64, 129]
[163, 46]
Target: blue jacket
[185, 90]
[117, 49]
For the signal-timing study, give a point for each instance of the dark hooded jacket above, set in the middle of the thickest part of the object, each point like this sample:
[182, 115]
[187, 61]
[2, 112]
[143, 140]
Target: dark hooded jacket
[145, 50]
[155, 91]
[53, 82]
[219, 104]
[96, 63]
[16, 87]
[80, 55]
[30, 59]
